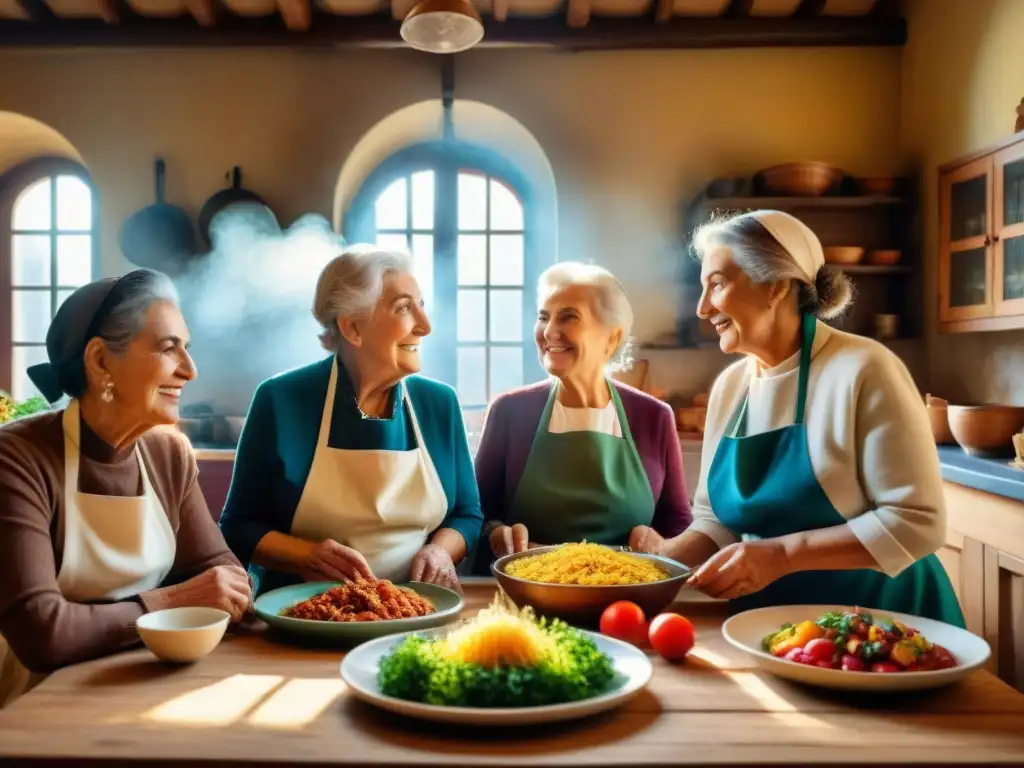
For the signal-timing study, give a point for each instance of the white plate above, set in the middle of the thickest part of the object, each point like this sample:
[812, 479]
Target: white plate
[633, 672]
[746, 630]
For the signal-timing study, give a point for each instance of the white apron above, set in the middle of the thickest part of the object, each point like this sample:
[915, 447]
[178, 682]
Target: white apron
[114, 547]
[383, 504]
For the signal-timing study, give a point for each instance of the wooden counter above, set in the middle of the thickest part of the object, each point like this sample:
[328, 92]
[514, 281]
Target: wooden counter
[257, 701]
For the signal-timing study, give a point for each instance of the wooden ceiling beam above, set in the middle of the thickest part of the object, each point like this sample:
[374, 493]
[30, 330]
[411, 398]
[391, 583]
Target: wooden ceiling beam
[37, 10]
[202, 11]
[809, 9]
[297, 14]
[108, 11]
[886, 8]
[739, 9]
[327, 31]
[577, 15]
[665, 10]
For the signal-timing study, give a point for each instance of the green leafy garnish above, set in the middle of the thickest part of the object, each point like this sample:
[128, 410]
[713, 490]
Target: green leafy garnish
[416, 670]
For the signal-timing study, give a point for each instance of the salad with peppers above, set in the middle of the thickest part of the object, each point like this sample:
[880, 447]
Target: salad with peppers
[856, 641]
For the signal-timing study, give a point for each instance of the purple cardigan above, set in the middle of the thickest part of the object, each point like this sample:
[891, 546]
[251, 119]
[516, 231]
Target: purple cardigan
[511, 424]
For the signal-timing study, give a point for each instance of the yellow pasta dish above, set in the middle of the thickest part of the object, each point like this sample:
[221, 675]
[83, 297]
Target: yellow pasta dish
[586, 564]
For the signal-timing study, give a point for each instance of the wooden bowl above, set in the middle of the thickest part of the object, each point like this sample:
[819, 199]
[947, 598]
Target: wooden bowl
[799, 179]
[885, 258]
[986, 430]
[938, 415]
[843, 254]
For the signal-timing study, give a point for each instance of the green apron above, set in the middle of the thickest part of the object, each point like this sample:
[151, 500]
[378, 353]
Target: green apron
[580, 486]
[764, 486]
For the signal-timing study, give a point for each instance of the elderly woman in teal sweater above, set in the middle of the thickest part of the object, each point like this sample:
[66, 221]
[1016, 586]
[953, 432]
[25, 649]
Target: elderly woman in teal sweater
[352, 466]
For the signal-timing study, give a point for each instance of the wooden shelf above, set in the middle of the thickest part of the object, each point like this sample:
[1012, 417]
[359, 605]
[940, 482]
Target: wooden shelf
[876, 269]
[782, 203]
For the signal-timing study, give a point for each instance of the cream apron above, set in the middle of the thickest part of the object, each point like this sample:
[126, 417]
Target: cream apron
[383, 504]
[114, 547]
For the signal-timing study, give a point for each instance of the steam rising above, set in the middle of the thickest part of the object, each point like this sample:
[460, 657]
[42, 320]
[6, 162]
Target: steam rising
[248, 302]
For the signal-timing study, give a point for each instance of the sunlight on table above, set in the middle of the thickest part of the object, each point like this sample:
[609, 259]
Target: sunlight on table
[217, 705]
[297, 703]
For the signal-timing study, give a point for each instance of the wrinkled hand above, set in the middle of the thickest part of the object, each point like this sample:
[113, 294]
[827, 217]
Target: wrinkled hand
[505, 540]
[331, 561]
[434, 565]
[646, 540]
[225, 587]
[741, 569]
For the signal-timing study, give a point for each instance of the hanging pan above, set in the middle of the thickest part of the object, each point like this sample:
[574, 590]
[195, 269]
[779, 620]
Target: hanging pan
[159, 236]
[236, 197]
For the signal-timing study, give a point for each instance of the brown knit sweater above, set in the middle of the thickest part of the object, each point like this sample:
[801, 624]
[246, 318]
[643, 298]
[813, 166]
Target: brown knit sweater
[44, 630]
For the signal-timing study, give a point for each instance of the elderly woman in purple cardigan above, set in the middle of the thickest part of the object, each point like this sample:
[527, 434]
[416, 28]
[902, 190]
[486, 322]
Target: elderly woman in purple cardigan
[579, 456]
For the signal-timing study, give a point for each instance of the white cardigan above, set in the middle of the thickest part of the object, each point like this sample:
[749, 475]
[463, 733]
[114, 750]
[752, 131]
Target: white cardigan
[869, 440]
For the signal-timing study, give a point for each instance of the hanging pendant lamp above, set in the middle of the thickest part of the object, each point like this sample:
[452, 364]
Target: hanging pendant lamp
[443, 26]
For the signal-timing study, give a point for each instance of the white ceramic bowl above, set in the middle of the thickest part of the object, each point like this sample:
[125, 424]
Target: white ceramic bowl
[182, 635]
[746, 630]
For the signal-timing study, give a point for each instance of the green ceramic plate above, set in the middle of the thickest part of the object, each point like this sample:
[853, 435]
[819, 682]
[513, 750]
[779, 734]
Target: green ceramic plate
[270, 605]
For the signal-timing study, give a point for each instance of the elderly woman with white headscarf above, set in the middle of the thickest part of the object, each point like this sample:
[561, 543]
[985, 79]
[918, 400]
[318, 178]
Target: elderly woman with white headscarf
[354, 467]
[819, 481]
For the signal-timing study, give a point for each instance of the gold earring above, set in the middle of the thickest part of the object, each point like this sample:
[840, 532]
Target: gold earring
[107, 396]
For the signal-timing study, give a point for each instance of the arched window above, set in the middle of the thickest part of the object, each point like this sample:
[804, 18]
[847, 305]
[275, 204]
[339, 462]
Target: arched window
[465, 214]
[47, 226]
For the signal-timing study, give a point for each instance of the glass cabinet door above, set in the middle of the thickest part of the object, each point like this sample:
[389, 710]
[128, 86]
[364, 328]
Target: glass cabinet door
[1008, 232]
[965, 247]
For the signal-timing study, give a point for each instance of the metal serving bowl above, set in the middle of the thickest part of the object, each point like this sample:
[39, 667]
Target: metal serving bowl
[580, 603]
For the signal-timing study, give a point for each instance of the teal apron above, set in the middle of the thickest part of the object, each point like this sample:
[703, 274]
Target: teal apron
[580, 486]
[764, 486]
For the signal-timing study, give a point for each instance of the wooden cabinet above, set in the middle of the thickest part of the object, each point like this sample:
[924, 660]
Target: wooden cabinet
[1004, 614]
[984, 556]
[981, 240]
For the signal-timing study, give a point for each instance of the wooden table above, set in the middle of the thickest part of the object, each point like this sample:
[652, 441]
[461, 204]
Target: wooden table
[258, 701]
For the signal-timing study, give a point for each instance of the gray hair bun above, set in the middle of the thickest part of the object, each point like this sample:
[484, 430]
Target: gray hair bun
[830, 295]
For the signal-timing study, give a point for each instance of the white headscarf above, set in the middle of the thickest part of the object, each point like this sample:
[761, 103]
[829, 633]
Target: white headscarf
[797, 238]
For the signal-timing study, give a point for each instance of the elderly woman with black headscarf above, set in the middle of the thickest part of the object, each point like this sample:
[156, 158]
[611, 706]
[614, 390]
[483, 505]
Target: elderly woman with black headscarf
[101, 517]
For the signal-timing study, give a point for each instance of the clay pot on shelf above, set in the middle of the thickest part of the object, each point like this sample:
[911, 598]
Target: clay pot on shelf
[938, 415]
[843, 254]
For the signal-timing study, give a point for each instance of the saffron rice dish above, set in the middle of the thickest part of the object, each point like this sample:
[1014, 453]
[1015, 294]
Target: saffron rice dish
[362, 601]
[586, 564]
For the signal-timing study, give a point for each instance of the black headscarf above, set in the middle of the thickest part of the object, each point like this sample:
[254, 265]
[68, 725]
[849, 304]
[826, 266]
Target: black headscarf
[77, 321]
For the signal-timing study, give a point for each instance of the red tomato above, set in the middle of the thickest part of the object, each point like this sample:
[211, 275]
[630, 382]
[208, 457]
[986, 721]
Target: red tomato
[624, 620]
[821, 649]
[943, 658]
[852, 663]
[885, 666]
[672, 636]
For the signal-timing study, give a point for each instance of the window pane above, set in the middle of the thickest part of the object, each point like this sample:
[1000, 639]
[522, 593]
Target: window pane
[506, 316]
[30, 315]
[392, 206]
[74, 203]
[472, 260]
[393, 242]
[74, 259]
[471, 320]
[422, 200]
[506, 259]
[506, 210]
[31, 259]
[32, 208]
[423, 266]
[506, 366]
[471, 383]
[23, 358]
[472, 201]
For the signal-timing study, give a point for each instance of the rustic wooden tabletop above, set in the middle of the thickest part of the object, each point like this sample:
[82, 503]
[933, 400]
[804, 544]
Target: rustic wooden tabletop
[259, 700]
